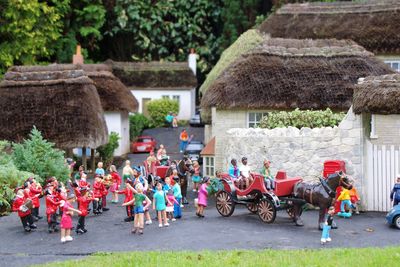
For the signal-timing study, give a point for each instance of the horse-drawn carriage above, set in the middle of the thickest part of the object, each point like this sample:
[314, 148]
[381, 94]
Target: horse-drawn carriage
[290, 194]
[257, 198]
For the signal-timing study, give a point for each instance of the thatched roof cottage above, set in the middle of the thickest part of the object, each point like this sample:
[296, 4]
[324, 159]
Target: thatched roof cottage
[117, 102]
[372, 24]
[284, 74]
[156, 80]
[377, 101]
[60, 100]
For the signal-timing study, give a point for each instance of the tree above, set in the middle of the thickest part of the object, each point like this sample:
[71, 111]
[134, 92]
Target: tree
[163, 30]
[240, 15]
[38, 156]
[83, 21]
[28, 29]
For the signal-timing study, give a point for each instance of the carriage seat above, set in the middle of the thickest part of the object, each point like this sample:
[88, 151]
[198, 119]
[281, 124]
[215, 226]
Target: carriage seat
[283, 184]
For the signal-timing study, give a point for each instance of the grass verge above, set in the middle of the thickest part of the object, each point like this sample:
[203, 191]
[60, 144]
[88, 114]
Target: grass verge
[389, 256]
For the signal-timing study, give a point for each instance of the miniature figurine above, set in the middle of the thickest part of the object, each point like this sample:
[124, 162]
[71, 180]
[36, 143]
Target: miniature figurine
[66, 220]
[344, 197]
[159, 200]
[202, 197]
[327, 226]
[395, 193]
[138, 199]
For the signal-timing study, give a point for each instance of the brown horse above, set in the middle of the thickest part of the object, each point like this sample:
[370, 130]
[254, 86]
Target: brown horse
[321, 194]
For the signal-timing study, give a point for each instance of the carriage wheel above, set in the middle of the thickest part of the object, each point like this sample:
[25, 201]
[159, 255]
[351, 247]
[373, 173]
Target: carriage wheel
[252, 207]
[266, 210]
[225, 204]
[290, 212]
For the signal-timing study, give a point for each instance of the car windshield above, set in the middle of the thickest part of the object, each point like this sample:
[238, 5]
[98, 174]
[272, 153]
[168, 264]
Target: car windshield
[194, 147]
[144, 140]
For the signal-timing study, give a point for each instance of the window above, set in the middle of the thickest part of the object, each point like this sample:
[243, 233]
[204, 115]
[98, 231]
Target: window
[373, 134]
[394, 64]
[176, 97]
[165, 96]
[209, 168]
[254, 118]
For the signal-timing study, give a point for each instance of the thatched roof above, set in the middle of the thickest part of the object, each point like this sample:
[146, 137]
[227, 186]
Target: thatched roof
[114, 95]
[372, 24]
[154, 75]
[378, 95]
[287, 74]
[60, 100]
[247, 41]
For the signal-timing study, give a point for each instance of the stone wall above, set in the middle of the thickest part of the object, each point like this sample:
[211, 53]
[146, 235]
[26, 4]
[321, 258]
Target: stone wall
[299, 152]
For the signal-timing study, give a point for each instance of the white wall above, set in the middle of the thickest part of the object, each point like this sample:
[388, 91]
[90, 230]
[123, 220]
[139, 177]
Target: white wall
[186, 99]
[119, 122]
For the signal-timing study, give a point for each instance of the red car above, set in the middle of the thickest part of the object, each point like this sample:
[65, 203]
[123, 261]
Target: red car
[143, 144]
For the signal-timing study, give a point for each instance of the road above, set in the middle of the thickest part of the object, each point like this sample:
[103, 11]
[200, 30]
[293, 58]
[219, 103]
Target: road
[242, 230]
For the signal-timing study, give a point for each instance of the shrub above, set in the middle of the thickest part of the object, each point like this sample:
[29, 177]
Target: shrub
[137, 123]
[159, 108]
[10, 178]
[302, 118]
[107, 151]
[38, 156]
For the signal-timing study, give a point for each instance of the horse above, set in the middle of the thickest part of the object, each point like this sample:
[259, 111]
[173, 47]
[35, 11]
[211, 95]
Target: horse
[185, 169]
[321, 194]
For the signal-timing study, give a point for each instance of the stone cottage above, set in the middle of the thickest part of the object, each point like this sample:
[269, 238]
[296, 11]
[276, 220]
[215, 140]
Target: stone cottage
[368, 140]
[284, 74]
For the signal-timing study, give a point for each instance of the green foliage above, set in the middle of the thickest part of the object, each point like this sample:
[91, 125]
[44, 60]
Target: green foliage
[82, 25]
[107, 151]
[159, 108]
[10, 178]
[215, 186]
[166, 30]
[238, 16]
[28, 29]
[137, 123]
[302, 118]
[38, 156]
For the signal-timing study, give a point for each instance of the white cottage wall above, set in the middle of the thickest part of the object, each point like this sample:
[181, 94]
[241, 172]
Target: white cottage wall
[186, 99]
[119, 122]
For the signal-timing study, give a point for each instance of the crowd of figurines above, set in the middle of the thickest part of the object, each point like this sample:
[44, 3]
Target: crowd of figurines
[166, 199]
[164, 196]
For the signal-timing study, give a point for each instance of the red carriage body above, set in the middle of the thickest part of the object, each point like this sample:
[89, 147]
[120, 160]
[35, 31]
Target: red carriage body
[256, 197]
[283, 184]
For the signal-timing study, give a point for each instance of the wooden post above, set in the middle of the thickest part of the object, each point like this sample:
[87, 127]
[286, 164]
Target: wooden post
[84, 159]
[69, 153]
[93, 159]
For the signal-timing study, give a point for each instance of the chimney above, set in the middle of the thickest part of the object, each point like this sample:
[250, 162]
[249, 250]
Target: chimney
[192, 60]
[77, 58]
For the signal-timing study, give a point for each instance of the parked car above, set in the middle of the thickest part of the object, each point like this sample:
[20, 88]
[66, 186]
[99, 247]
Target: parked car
[393, 217]
[143, 144]
[195, 121]
[193, 150]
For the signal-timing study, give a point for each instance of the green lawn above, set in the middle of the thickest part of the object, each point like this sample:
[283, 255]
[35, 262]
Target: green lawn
[389, 256]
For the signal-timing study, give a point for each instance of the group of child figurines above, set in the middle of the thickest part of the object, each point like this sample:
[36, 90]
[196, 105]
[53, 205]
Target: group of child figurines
[59, 199]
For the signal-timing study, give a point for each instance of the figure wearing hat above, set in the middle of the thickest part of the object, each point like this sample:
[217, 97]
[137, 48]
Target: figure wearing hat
[35, 191]
[98, 189]
[52, 204]
[83, 203]
[21, 204]
[128, 197]
[202, 197]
